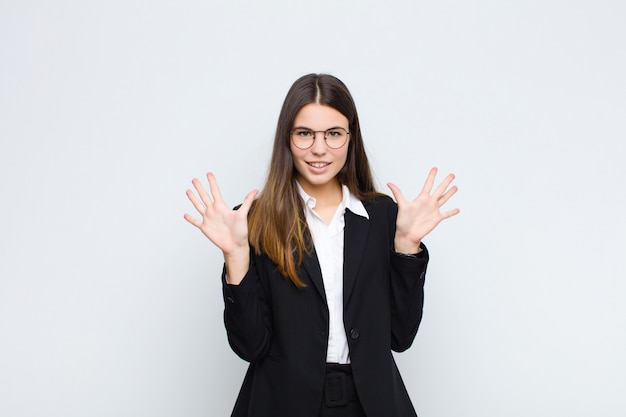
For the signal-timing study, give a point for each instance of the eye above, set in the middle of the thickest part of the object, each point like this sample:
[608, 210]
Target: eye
[335, 133]
[303, 133]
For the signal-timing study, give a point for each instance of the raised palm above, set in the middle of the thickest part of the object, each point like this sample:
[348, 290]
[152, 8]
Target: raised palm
[225, 227]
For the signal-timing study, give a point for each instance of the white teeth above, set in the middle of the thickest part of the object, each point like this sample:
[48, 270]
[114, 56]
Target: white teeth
[318, 164]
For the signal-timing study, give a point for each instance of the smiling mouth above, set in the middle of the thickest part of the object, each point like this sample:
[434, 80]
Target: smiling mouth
[318, 164]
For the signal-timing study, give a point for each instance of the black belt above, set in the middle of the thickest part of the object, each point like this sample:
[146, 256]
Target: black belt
[339, 385]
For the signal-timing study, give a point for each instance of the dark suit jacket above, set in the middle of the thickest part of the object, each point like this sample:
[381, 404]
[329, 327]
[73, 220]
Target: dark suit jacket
[283, 330]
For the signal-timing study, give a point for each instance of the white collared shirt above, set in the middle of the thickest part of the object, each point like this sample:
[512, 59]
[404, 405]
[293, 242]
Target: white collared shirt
[328, 241]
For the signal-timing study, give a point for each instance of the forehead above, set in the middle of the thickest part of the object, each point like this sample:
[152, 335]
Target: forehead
[319, 117]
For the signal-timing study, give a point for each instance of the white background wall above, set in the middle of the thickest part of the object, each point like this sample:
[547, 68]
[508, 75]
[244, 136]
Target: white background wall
[110, 302]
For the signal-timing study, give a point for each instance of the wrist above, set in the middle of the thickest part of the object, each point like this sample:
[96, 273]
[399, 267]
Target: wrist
[236, 252]
[237, 264]
[406, 246]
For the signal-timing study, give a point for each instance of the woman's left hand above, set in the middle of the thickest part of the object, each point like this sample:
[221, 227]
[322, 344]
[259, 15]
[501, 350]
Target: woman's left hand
[419, 217]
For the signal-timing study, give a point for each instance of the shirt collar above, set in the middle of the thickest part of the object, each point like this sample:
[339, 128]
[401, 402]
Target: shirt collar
[349, 201]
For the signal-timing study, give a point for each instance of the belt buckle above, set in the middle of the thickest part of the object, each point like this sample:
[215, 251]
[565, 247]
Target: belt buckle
[330, 389]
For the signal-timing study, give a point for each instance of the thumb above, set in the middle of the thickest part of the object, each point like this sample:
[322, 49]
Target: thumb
[397, 194]
[247, 201]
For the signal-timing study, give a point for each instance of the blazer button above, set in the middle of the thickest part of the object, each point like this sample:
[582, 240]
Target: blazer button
[354, 334]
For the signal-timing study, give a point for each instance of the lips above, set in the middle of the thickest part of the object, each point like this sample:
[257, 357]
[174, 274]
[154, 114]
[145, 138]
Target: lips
[318, 164]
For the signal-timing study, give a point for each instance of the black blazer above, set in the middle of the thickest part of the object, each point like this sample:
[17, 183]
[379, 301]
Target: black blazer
[283, 330]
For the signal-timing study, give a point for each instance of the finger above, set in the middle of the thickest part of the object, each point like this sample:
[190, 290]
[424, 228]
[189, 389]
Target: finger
[444, 185]
[204, 196]
[192, 220]
[198, 205]
[397, 194]
[450, 213]
[446, 196]
[430, 181]
[247, 201]
[215, 189]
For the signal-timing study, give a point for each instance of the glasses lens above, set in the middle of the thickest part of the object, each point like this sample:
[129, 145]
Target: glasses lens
[302, 138]
[336, 137]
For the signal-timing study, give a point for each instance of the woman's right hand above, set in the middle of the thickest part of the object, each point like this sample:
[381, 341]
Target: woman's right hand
[225, 227]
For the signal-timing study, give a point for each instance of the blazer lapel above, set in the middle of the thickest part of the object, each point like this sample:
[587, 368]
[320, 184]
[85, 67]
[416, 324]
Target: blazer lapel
[355, 239]
[312, 266]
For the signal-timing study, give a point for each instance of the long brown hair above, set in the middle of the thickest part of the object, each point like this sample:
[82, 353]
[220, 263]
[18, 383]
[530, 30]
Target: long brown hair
[276, 222]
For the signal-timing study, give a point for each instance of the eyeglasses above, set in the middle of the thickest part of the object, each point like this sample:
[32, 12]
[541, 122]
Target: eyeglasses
[304, 138]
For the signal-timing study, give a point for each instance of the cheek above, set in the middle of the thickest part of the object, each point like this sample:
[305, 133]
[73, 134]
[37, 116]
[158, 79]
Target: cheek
[344, 157]
[297, 160]
[296, 154]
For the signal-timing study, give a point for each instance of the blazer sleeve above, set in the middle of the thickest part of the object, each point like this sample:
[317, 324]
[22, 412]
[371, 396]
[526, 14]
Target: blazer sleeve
[407, 275]
[247, 314]
[407, 297]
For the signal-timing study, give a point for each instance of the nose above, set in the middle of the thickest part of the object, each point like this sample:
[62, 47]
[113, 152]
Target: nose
[319, 144]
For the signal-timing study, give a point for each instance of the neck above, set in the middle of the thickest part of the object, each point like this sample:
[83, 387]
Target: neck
[324, 194]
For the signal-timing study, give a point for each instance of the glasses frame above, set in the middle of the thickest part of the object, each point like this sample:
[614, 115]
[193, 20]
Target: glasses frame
[325, 132]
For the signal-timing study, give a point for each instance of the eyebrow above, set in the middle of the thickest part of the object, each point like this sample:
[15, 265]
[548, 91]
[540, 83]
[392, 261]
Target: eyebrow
[308, 128]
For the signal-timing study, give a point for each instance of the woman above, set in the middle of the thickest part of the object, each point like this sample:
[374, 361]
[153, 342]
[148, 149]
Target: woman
[323, 275]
